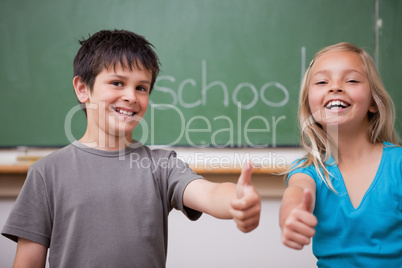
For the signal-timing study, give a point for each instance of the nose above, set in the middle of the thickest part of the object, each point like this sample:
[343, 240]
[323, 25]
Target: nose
[129, 96]
[335, 87]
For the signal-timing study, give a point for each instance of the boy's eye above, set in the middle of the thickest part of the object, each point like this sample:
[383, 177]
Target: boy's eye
[141, 88]
[117, 83]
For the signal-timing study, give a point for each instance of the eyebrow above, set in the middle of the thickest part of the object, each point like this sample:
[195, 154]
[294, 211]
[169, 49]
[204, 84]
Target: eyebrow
[123, 77]
[344, 71]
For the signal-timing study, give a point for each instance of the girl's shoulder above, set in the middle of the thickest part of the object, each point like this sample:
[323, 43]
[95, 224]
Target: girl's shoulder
[302, 165]
[393, 149]
[393, 156]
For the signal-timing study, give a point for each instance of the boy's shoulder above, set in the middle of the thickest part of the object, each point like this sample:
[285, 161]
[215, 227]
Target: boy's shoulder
[166, 158]
[57, 156]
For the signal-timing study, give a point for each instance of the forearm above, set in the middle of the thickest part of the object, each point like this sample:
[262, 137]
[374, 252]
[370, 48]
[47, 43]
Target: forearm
[211, 198]
[292, 197]
[30, 255]
[296, 219]
[240, 202]
[222, 195]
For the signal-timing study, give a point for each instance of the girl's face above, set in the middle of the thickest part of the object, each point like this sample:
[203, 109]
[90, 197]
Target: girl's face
[339, 90]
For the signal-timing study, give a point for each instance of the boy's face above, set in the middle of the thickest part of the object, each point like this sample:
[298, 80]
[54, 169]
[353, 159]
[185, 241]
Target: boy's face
[118, 101]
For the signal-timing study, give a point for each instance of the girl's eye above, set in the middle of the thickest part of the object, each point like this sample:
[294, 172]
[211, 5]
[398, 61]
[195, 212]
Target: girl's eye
[320, 83]
[353, 81]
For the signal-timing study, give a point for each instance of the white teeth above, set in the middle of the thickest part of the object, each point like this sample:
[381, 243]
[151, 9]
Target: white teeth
[124, 112]
[336, 104]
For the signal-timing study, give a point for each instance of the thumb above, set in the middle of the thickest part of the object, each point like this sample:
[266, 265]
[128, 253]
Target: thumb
[244, 179]
[307, 202]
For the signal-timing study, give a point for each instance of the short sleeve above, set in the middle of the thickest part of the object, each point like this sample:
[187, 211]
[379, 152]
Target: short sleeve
[30, 216]
[177, 175]
[309, 170]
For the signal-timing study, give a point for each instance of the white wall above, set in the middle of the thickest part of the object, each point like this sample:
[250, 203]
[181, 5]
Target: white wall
[210, 243]
[7, 247]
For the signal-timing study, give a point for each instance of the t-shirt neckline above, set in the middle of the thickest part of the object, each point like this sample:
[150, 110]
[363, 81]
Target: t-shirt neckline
[130, 148]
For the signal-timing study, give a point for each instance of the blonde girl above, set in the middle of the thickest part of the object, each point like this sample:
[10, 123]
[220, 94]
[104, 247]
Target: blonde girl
[346, 193]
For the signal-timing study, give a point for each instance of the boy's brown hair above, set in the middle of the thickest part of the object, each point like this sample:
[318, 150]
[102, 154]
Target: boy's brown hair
[107, 48]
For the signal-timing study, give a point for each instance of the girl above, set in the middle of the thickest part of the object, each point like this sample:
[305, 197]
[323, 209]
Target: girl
[346, 192]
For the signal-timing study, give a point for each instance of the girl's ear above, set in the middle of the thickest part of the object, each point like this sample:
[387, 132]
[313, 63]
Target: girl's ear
[373, 107]
[81, 89]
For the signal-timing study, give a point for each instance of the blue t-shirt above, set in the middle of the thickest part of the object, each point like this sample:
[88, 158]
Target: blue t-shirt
[371, 234]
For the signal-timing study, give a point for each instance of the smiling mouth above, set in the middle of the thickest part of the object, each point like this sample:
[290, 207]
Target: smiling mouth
[123, 112]
[336, 104]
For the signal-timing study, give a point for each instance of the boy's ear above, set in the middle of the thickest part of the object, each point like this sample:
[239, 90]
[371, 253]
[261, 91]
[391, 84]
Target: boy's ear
[81, 89]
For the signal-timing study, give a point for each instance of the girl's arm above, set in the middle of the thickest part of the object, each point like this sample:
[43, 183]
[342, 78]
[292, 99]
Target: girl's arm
[296, 219]
[239, 202]
[30, 254]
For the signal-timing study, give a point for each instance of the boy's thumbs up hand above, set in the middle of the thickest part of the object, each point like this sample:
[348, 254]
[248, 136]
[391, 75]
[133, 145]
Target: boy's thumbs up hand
[247, 207]
[244, 183]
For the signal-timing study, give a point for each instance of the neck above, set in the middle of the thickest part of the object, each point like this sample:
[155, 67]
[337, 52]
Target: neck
[106, 143]
[350, 145]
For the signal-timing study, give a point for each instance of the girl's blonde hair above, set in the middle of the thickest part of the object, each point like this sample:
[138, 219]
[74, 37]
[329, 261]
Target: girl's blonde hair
[313, 137]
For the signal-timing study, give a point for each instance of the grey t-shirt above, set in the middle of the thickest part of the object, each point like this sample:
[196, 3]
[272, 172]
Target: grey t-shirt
[96, 208]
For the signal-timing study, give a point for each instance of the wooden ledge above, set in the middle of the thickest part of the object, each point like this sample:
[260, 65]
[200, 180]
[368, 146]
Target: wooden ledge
[231, 170]
[14, 169]
[21, 168]
[268, 181]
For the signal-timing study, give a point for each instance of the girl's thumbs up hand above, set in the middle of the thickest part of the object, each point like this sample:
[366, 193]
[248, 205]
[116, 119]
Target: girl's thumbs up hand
[307, 202]
[298, 228]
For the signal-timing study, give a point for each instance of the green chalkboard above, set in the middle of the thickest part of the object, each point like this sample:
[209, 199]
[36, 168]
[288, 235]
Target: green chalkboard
[231, 69]
[390, 53]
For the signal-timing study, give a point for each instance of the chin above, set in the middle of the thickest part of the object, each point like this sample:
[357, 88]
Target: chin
[123, 132]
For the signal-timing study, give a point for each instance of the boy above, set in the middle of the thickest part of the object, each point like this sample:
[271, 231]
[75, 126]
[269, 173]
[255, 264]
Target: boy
[103, 201]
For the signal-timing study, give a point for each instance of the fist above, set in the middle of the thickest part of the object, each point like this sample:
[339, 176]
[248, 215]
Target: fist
[246, 208]
[298, 228]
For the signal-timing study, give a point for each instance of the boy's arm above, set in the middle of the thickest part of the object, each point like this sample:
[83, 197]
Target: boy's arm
[30, 254]
[296, 217]
[239, 202]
